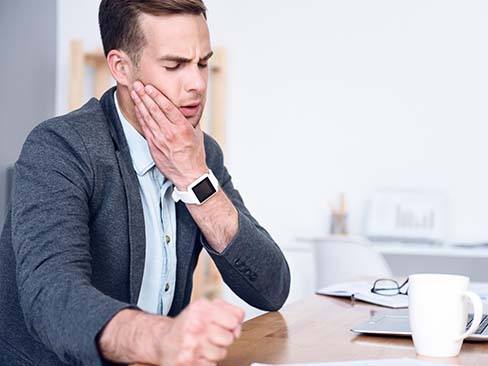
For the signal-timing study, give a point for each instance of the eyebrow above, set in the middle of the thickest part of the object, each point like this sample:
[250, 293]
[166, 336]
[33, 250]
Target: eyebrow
[180, 59]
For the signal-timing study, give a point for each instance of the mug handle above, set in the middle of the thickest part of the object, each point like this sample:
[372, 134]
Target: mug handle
[478, 313]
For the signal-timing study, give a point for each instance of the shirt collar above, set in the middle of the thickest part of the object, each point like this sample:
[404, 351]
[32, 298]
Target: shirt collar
[138, 147]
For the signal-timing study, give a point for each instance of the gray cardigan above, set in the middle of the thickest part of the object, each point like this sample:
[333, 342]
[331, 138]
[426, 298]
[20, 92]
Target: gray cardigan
[73, 246]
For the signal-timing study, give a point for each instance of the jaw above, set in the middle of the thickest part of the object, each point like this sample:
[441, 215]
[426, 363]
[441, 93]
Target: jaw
[195, 121]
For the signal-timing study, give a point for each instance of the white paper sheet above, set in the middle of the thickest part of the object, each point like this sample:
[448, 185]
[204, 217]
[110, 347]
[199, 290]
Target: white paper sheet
[391, 362]
[362, 291]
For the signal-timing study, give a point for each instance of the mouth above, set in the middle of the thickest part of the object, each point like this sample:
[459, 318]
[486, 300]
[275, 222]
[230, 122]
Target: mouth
[190, 110]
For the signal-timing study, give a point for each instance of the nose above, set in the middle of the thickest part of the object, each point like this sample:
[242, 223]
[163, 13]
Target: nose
[196, 80]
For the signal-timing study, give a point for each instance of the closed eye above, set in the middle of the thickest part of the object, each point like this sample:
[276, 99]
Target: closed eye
[201, 65]
[172, 68]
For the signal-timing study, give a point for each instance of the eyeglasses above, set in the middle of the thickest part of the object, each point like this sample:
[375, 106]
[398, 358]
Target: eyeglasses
[388, 287]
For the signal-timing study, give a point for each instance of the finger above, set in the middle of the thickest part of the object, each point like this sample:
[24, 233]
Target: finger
[219, 336]
[151, 140]
[166, 106]
[145, 129]
[145, 114]
[155, 146]
[199, 132]
[237, 332]
[209, 313]
[223, 317]
[239, 313]
[211, 352]
[231, 308]
[158, 123]
[151, 106]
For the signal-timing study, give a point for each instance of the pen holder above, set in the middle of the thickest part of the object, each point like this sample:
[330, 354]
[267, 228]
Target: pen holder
[338, 224]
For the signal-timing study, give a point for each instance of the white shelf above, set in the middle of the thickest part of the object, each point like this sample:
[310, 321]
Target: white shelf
[431, 250]
[404, 248]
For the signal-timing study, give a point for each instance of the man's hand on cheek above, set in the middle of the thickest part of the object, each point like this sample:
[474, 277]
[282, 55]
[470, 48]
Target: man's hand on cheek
[176, 146]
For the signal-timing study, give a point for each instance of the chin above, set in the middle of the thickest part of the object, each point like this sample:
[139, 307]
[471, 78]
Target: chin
[195, 121]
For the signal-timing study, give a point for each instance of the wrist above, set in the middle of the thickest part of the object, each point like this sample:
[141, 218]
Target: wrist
[199, 191]
[133, 336]
[113, 338]
[183, 183]
[148, 337]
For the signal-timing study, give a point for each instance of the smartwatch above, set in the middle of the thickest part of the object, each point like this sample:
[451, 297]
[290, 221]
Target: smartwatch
[199, 191]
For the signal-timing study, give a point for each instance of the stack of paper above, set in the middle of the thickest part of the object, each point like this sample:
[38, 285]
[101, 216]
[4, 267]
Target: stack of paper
[395, 362]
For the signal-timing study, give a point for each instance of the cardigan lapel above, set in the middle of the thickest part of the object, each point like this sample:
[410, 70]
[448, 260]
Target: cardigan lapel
[186, 229]
[186, 250]
[136, 228]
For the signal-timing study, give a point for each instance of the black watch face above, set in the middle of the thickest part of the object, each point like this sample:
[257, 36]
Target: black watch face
[204, 190]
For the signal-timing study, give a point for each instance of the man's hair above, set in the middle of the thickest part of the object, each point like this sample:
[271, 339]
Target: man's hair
[119, 21]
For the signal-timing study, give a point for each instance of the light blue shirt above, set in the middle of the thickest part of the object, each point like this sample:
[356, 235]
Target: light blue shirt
[158, 281]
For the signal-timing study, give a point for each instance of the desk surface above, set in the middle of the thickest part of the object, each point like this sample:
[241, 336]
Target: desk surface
[317, 330]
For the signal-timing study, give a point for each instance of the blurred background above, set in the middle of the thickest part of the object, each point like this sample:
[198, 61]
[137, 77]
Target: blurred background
[364, 120]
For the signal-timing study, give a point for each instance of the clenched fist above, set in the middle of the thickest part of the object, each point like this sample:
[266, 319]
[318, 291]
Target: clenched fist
[200, 335]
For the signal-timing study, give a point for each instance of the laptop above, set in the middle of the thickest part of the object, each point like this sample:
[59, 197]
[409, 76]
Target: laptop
[395, 323]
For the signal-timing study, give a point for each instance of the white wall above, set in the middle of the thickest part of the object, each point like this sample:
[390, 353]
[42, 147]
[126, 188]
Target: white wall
[354, 95]
[329, 96]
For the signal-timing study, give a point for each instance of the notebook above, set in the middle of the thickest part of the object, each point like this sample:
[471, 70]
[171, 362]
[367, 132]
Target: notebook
[361, 290]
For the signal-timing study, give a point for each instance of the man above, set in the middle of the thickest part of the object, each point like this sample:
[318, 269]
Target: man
[113, 203]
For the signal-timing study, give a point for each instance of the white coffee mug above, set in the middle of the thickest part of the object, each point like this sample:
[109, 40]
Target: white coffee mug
[438, 313]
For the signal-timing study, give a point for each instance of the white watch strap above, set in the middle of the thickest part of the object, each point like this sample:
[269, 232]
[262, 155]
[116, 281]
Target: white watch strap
[189, 196]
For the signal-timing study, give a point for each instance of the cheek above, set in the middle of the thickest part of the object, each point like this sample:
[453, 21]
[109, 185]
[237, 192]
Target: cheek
[170, 87]
[166, 83]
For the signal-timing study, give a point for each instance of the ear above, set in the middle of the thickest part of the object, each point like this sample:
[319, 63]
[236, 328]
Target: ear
[121, 67]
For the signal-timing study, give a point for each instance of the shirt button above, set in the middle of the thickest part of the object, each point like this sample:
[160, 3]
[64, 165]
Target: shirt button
[167, 238]
[166, 288]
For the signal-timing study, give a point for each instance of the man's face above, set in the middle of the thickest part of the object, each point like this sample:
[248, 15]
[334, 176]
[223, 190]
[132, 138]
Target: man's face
[175, 58]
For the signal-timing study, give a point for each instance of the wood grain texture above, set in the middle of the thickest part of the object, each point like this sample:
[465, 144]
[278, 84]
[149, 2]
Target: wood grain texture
[317, 330]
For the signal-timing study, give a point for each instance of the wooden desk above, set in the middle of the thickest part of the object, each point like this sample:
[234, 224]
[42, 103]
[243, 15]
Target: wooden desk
[317, 330]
